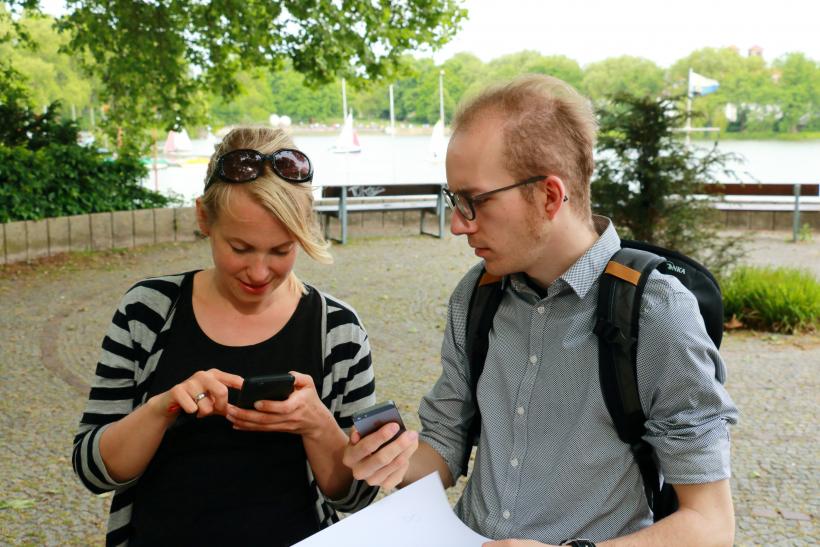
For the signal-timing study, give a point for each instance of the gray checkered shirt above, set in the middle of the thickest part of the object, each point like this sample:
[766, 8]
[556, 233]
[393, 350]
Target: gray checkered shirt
[549, 464]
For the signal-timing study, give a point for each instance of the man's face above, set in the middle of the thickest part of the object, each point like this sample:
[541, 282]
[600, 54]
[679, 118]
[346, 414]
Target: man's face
[507, 228]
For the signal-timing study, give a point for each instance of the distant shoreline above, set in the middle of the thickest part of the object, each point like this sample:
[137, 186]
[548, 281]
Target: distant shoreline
[411, 130]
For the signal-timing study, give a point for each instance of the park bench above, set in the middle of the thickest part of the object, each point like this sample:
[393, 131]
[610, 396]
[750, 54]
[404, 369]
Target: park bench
[339, 201]
[767, 197]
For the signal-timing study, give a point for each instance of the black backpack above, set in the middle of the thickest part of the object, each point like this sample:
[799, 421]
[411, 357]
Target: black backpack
[619, 303]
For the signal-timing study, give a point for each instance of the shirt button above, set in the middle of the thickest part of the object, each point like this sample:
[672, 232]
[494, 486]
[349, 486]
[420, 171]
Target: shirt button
[505, 514]
[514, 462]
[520, 410]
[533, 359]
[541, 310]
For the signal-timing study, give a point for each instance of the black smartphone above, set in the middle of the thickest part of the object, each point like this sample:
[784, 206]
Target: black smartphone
[371, 419]
[272, 387]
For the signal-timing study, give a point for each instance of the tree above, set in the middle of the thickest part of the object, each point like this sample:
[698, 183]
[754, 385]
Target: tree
[798, 92]
[160, 56]
[649, 182]
[58, 77]
[45, 173]
[532, 62]
[623, 75]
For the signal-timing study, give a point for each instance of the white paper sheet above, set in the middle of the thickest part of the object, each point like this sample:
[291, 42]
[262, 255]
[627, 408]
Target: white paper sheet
[418, 514]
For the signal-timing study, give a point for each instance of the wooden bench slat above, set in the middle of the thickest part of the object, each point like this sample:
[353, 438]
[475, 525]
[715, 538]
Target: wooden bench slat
[776, 189]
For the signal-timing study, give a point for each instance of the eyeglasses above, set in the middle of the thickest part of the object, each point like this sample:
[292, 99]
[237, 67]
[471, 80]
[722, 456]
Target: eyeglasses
[245, 165]
[465, 204]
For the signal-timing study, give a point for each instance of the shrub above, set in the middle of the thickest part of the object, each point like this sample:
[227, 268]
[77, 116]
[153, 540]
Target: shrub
[777, 299]
[651, 184]
[45, 173]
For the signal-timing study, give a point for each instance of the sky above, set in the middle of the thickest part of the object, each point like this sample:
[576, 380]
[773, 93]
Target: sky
[659, 30]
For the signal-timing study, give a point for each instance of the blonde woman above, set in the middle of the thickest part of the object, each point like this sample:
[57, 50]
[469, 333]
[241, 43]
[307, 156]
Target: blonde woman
[180, 346]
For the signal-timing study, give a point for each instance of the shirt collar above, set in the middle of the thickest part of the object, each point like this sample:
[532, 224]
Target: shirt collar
[586, 270]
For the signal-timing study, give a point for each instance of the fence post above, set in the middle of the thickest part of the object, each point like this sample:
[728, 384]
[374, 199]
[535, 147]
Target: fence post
[796, 220]
[343, 213]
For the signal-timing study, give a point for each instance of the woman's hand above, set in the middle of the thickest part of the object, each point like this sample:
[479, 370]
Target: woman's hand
[205, 393]
[128, 445]
[302, 413]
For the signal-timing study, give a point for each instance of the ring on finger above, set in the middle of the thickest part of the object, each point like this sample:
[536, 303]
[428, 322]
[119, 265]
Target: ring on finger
[199, 396]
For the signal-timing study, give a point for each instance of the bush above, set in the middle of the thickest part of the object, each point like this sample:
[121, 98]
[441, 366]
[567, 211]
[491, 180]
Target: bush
[45, 173]
[776, 299]
[650, 183]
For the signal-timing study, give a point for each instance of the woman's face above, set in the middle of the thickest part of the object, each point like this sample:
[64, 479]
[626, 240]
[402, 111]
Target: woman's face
[253, 252]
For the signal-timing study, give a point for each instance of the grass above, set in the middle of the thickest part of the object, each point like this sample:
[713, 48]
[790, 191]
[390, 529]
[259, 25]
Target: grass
[783, 300]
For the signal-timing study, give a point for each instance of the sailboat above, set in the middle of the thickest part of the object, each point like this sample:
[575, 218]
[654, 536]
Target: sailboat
[348, 140]
[177, 142]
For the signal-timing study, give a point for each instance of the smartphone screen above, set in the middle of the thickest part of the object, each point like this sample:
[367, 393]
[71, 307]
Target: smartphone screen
[371, 419]
[272, 387]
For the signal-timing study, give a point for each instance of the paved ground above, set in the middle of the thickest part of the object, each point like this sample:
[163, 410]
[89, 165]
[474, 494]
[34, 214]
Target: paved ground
[54, 314]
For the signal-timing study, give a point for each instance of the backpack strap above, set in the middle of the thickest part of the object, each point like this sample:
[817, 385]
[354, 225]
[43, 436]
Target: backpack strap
[618, 312]
[484, 302]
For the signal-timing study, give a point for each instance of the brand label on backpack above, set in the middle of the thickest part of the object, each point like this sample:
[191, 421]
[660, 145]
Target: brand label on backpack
[675, 268]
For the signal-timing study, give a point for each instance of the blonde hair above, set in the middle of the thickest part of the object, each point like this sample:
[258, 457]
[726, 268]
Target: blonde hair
[291, 204]
[548, 128]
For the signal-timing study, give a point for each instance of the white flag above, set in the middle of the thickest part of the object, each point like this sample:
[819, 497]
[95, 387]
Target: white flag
[701, 85]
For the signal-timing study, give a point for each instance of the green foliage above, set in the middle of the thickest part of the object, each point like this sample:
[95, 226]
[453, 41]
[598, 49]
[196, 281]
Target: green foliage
[650, 183]
[798, 93]
[805, 233]
[172, 51]
[623, 76]
[57, 76]
[24, 128]
[776, 299]
[158, 77]
[45, 173]
[532, 62]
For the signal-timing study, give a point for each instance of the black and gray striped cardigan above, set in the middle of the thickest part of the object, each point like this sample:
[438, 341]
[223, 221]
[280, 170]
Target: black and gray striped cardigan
[130, 352]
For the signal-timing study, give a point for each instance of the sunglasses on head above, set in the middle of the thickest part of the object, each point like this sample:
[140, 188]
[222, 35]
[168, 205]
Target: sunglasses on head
[245, 165]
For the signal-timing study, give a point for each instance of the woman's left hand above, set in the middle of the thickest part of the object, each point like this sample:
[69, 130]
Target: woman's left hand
[302, 413]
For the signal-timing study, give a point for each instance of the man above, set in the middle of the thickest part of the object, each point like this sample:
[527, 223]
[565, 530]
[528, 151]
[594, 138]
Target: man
[550, 466]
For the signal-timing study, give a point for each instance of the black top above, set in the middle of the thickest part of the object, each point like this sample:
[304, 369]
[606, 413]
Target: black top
[209, 484]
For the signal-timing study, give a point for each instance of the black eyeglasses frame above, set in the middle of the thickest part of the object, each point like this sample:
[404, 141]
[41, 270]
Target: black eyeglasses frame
[454, 199]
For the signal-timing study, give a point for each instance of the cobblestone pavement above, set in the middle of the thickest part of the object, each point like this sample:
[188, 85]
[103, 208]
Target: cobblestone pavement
[54, 314]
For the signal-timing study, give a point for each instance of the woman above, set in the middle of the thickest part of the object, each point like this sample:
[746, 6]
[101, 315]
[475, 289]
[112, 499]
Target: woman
[180, 345]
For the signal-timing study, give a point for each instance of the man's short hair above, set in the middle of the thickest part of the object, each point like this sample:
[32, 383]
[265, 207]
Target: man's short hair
[549, 128]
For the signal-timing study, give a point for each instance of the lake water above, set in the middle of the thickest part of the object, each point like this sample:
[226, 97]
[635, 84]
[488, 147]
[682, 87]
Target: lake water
[409, 159]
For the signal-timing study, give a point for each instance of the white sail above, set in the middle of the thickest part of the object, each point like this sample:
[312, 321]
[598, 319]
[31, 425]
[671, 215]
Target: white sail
[177, 141]
[348, 140]
[438, 143]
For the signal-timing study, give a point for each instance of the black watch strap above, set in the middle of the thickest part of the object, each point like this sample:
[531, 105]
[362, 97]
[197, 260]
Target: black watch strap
[578, 542]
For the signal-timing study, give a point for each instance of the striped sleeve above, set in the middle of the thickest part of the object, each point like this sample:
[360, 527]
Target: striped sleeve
[348, 385]
[130, 336]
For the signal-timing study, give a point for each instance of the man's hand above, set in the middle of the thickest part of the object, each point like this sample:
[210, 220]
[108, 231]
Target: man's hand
[383, 467]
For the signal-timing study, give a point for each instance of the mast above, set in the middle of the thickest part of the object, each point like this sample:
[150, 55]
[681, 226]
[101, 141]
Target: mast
[392, 113]
[689, 108]
[441, 96]
[344, 100]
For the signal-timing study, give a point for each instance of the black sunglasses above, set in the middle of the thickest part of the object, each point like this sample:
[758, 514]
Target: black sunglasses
[245, 165]
[465, 204]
